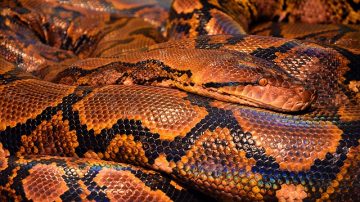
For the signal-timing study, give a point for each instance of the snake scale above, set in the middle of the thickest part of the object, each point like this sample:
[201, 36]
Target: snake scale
[173, 101]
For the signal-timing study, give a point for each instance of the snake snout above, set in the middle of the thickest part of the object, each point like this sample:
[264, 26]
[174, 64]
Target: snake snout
[306, 97]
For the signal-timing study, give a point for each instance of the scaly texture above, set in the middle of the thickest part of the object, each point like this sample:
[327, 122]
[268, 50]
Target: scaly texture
[60, 69]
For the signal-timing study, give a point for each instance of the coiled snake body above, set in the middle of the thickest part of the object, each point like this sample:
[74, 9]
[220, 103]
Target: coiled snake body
[257, 118]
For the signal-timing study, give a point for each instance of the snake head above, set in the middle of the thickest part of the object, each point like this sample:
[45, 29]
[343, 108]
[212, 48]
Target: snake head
[276, 92]
[242, 78]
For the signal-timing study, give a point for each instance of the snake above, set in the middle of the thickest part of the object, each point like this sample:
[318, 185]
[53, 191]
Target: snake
[190, 100]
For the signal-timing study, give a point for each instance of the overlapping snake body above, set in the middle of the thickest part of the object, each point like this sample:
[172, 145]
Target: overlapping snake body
[184, 143]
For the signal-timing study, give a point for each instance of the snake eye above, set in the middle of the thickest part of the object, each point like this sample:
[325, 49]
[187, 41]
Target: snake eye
[263, 82]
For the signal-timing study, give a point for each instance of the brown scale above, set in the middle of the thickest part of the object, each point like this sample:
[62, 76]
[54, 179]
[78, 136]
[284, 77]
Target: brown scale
[203, 70]
[252, 43]
[123, 148]
[300, 149]
[126, 37]
[152, 11]
[247, 44]
[344, 36]
[30, 54]
[156, 108]
[187, 6]
[321, 11]
[245, 13]
[222, 23]
[52, 45]
[45, 183]
[184, 7]
[25, 99]
[346, 179]
[308, 67]
[29, 49]
[291, 193]
[124, 186]
[296, 30]
[293, 30]
[61, 142]
[203, 165]
[218, 23]
[183, 23]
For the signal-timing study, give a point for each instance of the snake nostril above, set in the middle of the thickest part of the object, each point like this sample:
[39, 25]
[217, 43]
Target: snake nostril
[300, 90]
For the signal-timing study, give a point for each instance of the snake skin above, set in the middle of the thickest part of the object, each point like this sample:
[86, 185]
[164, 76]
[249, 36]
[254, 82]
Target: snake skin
[69, 131]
